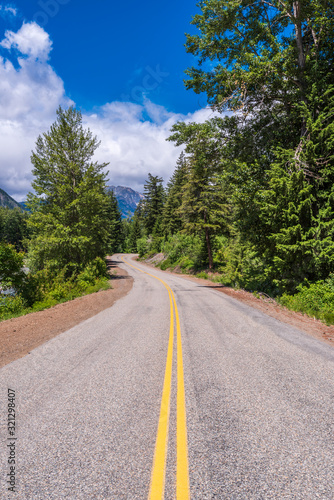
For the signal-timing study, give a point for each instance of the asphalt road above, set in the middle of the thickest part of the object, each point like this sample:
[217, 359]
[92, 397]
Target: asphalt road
[259, 400]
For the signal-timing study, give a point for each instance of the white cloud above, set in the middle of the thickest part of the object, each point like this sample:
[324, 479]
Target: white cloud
[135, 146]
[133, 136]
[29, 96]
[8, 10]
[31, 40]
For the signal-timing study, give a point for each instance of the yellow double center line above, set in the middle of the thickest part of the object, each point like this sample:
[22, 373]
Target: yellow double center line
[159, 463]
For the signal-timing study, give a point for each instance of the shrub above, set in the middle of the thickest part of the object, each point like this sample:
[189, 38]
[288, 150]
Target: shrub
[183, 250]
[142, 246]
[11, 264]
[94, 270]
[316, 299]
[10, 305]
[241, 266]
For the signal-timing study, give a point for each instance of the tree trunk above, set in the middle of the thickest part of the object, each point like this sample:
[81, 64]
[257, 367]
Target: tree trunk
[299, 34]
[208, 244]
[301, 55]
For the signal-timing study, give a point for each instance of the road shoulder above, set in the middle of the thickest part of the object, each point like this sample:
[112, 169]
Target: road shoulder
[19, 336]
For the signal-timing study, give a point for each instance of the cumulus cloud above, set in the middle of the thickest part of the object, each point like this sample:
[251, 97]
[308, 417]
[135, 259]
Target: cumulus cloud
[29, 96]
[31, 40]
[133, 136]
[133, 139]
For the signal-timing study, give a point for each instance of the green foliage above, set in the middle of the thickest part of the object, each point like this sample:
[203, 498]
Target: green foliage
[183, 250]
[142, 246]
[152, 205]
[135, 233]
[70, 212]
[13, 227]
[10, 306]
[271, 61]
[261, 53]
[171, 217]
[204, 208]
[316, 299]
[241, 266]
[203, 275]
[116, 233]
[11, 264]
[96, 269]
[45, 289]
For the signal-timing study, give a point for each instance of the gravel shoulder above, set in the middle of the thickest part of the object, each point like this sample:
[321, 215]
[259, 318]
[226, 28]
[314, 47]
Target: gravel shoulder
[19, 336]
[312, 326]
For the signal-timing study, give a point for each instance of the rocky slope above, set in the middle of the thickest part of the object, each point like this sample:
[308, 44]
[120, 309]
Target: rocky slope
[127, 198]
[8, 201]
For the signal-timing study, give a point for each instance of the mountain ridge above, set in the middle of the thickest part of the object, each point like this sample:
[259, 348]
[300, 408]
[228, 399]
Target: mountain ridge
[7, 201]
[127, 199]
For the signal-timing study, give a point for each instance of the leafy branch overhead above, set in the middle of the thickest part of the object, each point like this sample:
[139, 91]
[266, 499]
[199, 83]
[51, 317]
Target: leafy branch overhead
[260, 53]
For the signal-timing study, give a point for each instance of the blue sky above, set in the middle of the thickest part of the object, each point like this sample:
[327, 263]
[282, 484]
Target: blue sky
[101, 50]
[121, 64]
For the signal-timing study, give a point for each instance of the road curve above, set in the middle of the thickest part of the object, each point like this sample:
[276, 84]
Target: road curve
[259, 401]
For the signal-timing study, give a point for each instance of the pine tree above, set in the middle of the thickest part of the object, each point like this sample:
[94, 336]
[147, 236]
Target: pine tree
[69, 210]
[171, 218]
[153, 202]
[204, 208]
[135, 233]
[116, 237]
[296, 212]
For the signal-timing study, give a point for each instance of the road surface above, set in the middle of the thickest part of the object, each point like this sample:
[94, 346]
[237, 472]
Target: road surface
[176, 387]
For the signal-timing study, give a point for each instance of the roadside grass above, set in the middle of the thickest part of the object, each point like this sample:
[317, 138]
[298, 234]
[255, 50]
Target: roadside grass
[14, 307]
[315, 300]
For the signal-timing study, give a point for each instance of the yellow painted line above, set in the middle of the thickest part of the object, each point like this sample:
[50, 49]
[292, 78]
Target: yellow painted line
[182, 469]
[159, 463]
[157, 488]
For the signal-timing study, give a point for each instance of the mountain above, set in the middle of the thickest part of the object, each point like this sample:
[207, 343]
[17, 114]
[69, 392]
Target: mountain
[127, 198]
[8, 201]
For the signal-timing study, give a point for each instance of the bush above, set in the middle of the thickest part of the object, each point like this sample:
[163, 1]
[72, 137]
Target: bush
[240, 266]
[10, 305]
[182, 250]
[142, 246]
[94, 270]
[46, 288]
[11, 264]
[316, 299]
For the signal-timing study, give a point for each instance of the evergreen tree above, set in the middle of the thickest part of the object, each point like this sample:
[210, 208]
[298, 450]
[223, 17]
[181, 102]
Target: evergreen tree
[153, 202]
[171, 219]
[273, 62]
[296, 212]
[135, 233]
[69, 210]
[205, 208]
[116, 238]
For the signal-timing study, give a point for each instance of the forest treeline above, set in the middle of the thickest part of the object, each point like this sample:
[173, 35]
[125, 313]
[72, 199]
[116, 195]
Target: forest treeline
[252, 195]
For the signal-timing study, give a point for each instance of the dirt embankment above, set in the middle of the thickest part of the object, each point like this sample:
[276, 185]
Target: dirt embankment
[18, 336]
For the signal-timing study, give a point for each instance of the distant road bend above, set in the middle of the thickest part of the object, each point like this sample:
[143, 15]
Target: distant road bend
[176, 391]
